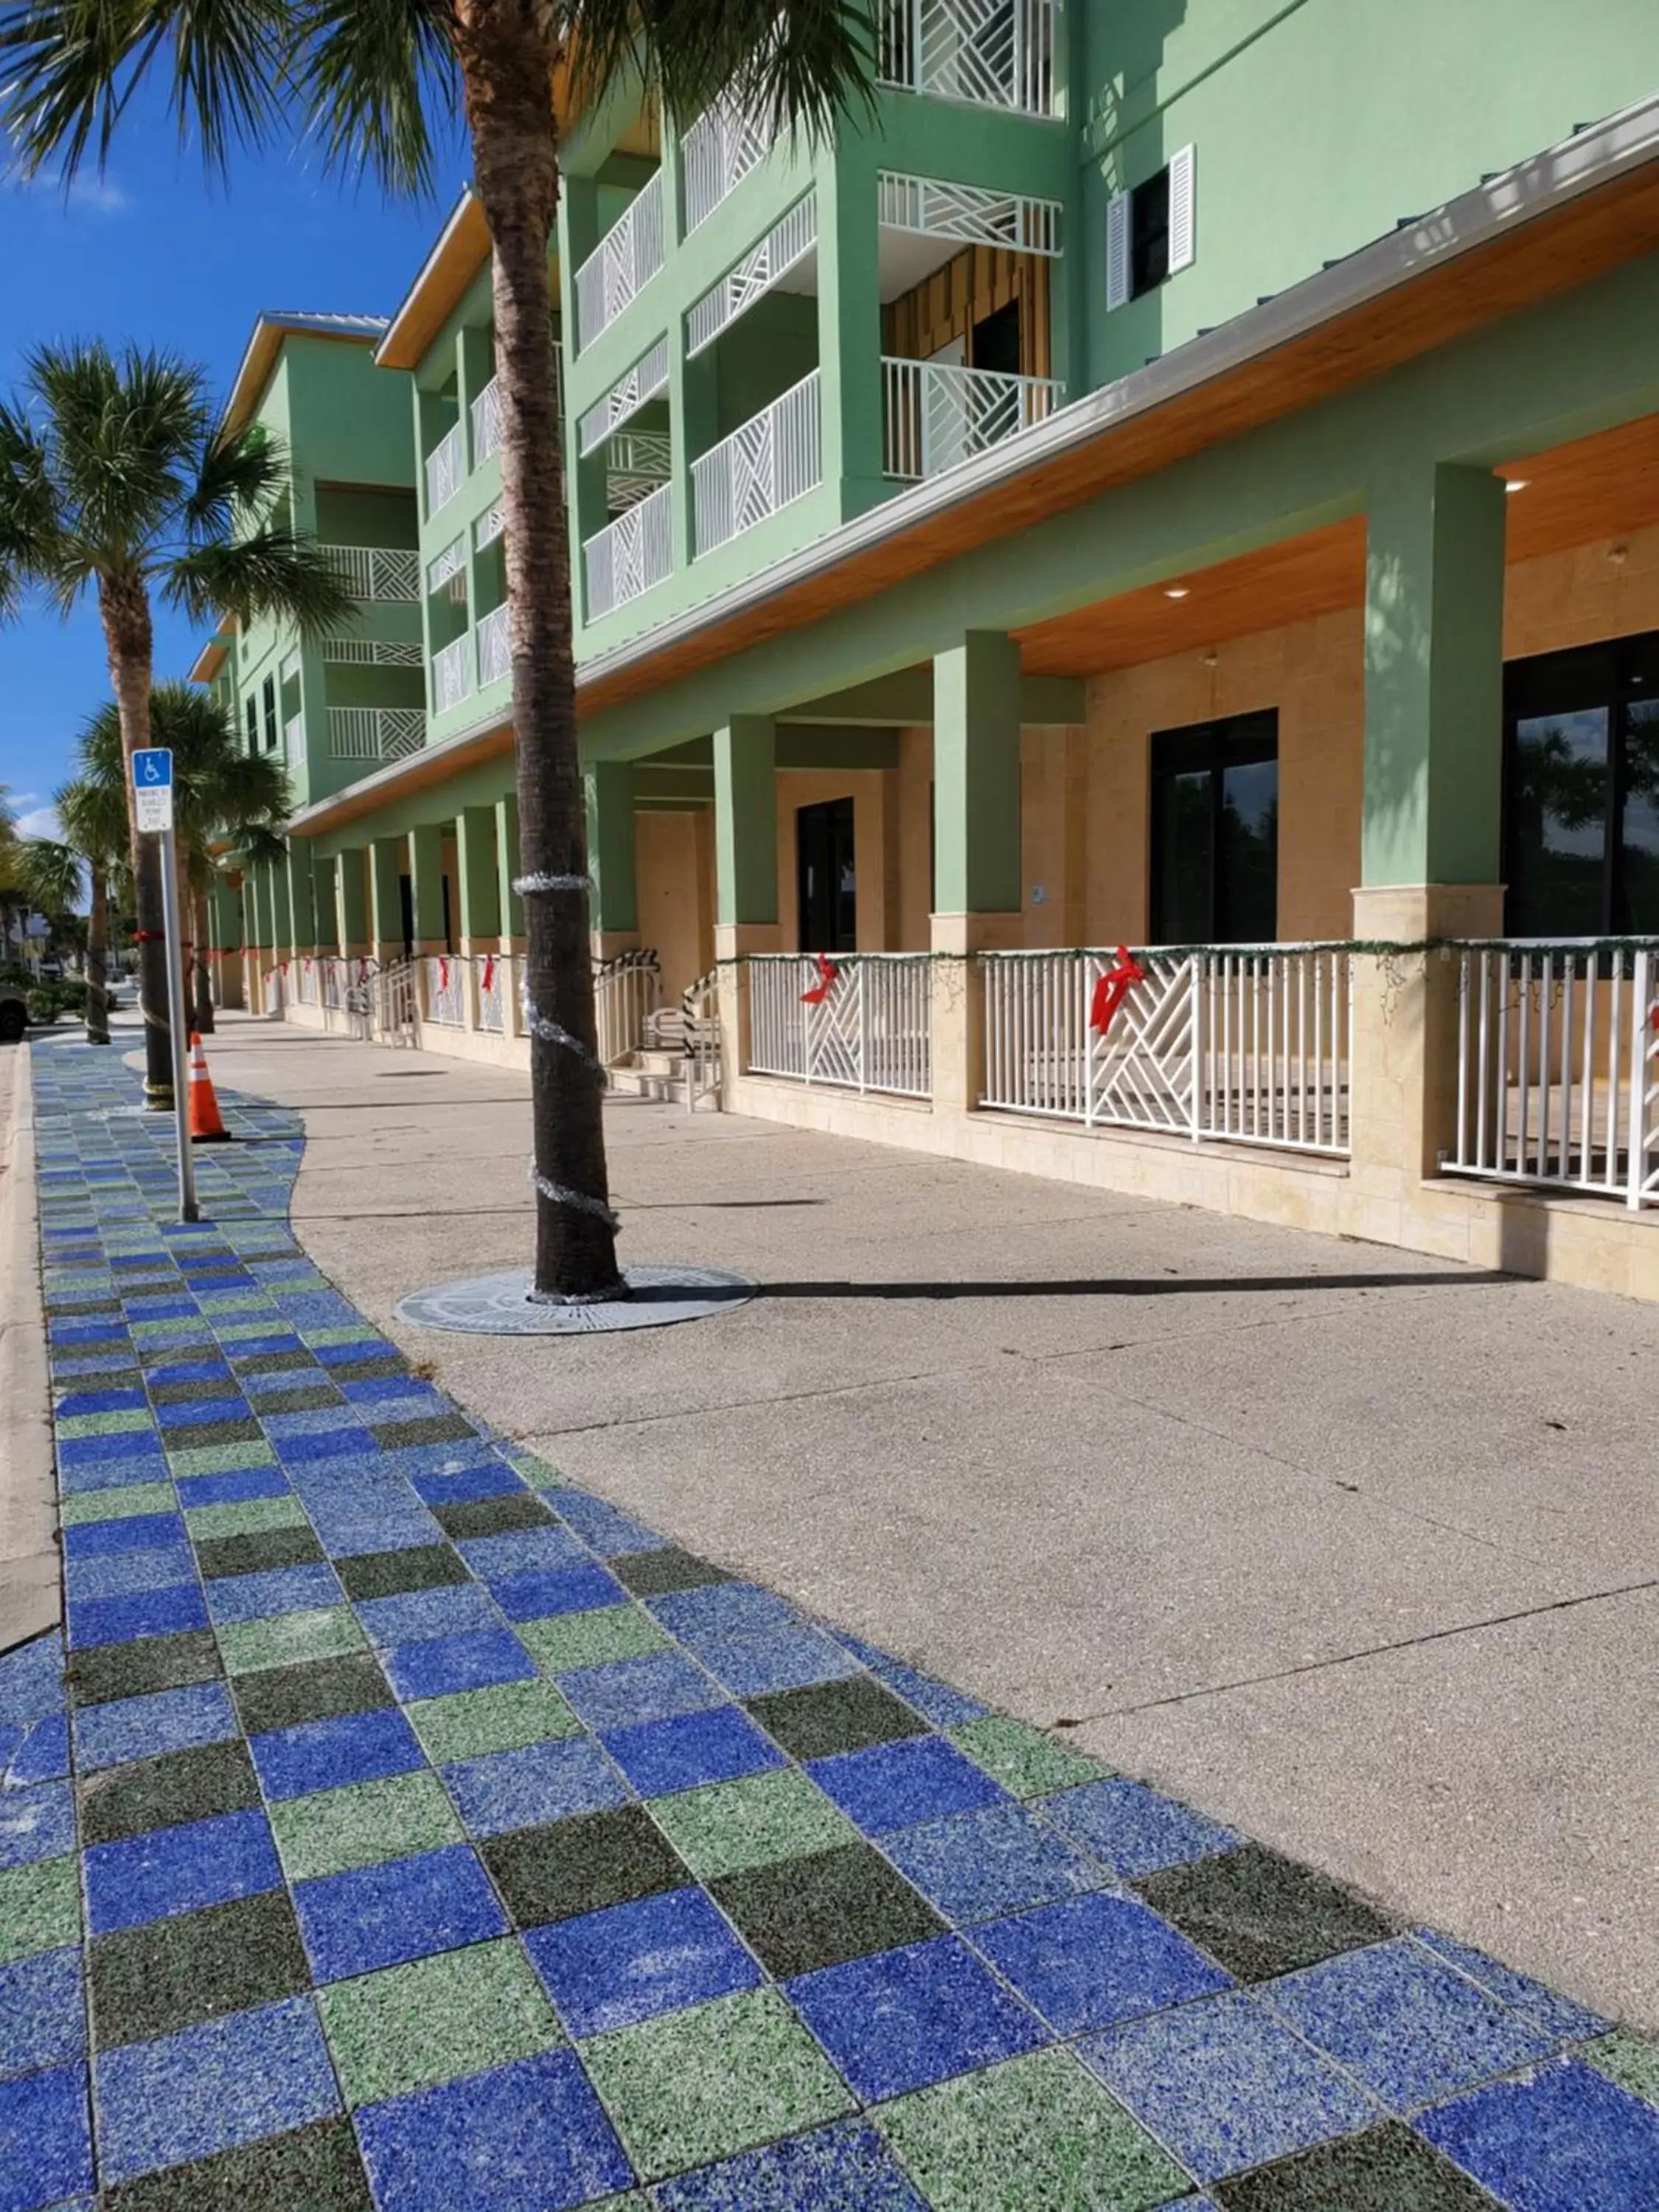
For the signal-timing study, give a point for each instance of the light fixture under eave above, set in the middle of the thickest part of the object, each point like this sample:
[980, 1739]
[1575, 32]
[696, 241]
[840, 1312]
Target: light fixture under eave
[1513, 484]
[1176, 591]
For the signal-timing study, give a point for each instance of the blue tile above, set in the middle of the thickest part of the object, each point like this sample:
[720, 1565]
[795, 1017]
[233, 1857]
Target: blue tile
[1096, 1961]
[36, 1824]
[367, 1346]
[1561, 2139]
[664, 1756]
[281, 1589]
[1134, 1830]
[611, 1533]
[983, 1865]
[319, 1420]
[169, 1870]
[32, 1679]
[234, 1488]
[1225, 2085]
[141, 1532]
[112, 1474]
[452, 1609]
[721, 1609]
[496, 1480]
[844, 2169]
[341, 1441]
[148, 1613]
[935, 1701]
[46, 2140]
[605, 1970]
[528, 2137]
[325, 1754]
[199, 1413]
[42, 1755]
[570, 1589]
[1539, 2008]
[228, 2081]
[523, 1551]
[1409, 2026]
[71, 1405]
[652, 1687]
[896, 1785]
[787, 1659]
[444, 1664]
[377, 1915]
[545, 1782]
[407, 1392]
[43, 2018]
[906, 2017]
[127, 1573]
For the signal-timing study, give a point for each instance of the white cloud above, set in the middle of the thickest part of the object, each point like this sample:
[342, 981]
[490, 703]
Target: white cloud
[86, 190]
[40, 822]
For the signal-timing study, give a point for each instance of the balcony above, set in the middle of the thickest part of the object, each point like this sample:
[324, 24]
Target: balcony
[990, 53]
[633, 553]
[494, 652]
[446, 466]
[486, 423]
[451, 675]
[774, 458]
[382, 574]
[718, 152]
[937, 415]
[621, 263]
[376, 733]
[293, 740]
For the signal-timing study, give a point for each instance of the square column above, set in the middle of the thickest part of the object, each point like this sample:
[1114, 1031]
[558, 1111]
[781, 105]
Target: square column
[977, 707]
[281, 913]
[849, 322]
[385, 868]
[426, 871]
[613, 915]
[476, 859]
[301, 894]
[350, 887]
[745, 865]
[326, 906]
[507, 864]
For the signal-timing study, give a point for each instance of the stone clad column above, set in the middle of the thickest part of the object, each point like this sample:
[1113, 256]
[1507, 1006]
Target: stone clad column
[745, 868]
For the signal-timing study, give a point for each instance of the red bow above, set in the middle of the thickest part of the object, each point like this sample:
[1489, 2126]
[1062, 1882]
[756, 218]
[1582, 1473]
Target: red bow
[443, 973]
[828, 972]
[489, 974]
[1113, 988]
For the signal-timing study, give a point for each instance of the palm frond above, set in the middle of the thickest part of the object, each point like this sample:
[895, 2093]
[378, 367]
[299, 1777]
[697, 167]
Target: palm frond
[122, 433]
[799, 63]
[31, 526]
[49, 874]
[269, 573]
[94, 814]
[374, 76]
[240, 479]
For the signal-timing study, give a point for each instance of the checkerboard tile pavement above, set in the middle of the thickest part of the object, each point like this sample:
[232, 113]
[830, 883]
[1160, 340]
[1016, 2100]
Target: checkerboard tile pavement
[396, 1826]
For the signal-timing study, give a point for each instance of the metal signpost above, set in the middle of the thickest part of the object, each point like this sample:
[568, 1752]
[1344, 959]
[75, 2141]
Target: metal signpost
[152, 781]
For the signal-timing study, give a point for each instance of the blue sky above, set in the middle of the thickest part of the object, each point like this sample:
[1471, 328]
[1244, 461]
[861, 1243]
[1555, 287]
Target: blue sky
[152, 252]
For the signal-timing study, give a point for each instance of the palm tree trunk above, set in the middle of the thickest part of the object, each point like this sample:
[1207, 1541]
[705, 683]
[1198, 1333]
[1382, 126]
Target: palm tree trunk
[201, 1012]
[507, 63]
[130, 641]
[97, 959]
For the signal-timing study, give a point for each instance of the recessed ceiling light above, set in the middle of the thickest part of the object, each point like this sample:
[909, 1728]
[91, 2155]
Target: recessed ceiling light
[1176, 591]
[1516, 483]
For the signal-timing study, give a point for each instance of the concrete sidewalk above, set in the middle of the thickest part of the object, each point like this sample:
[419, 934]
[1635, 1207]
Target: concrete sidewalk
[30, 1598]
[1357, 1550]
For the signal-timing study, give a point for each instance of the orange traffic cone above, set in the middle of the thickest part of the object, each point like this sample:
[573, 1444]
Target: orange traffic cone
[205, 1126]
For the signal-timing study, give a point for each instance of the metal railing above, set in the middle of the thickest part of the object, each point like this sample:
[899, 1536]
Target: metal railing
[717, 153]
[494, 648]
[307, 985]
[1558, 1066]
[791, 237]
[865, 1025]
[994, 53]
[445, 467]
[494, 992]
[391, 995]
[452, 674]
[385, 573]
[626, 989]
[486, 423]
[700, 1038]
[937, 415]
[376, 733]
[1250, 1044]
[631, 555]
[294, 739]
[621, 263]
[445, 979]
[773, 459]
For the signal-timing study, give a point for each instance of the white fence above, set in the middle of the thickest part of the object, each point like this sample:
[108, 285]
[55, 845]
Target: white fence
[791, 237]
[936, 415]
[378, 572]
[451, 675]
[994, 53]
[376, 733]
[445, 990]
[486, 422]
[626, 990]
[1252, 1043]
[632, 554]
[774, 458]
[625, 260]
[1557, 1079]
[446, 466]
[293, 740]
[717, 153]
[494, 992]
[494, 648]
[868, 1026]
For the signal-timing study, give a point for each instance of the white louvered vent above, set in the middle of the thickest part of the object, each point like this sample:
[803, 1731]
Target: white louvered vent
[1183, 212]
[1117, 250]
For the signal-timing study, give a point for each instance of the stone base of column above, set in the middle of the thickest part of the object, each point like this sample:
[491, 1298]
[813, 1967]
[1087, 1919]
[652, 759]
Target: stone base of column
[959, 1004]
[732, 941]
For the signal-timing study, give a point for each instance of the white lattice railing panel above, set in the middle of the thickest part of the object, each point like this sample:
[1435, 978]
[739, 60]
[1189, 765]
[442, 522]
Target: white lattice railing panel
[494, 993]
[486, 422]
[374, 652]
[790, 240]
[992, 53]
[937, 415]
[445, 565]
[626, 989]
[633, 553]
[621, 263]
[293, 740]
[494, 648]
[306, 983]
[488, 527]
[378, 572]
[376, 733]
[971, 213]
[717, 153]
[451, 675]
[775, 457]
[635, 463]
[445, 979]
[445, 468]
[865, 1025]
[647, 377]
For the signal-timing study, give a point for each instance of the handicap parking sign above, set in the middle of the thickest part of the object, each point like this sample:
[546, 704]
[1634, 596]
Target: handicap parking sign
[152, 783]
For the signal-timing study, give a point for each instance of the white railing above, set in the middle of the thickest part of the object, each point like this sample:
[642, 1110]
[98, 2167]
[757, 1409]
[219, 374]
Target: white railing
[717, 153]
[445, 979]
[791, 237]
[446, 466]
[486, 423]
[294, 739]
[378, 572]
[621, 263]
[632, 389]
[865, 1025]
[631, 554]
[977, 215]
[936, 415]
[494, 648]
[376, 733]
[494, 993]
[1557, 1069]
[774, 458]
[626, 989]
[337, 977]
[452, 674]
[1249, 1044]
[307, 985]
[994, 53]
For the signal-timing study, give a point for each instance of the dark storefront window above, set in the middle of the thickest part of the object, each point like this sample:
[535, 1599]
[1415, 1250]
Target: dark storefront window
[1215, 833]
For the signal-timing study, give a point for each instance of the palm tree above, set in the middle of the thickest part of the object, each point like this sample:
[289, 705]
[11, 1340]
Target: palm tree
[94, 819]
[12, 890]
[113, 480]
[371, 81]
[220, 793]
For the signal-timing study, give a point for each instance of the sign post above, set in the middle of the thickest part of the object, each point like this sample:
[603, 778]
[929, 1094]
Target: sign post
[152, 781]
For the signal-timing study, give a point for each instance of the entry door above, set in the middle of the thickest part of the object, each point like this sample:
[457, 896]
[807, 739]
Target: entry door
[826, 879]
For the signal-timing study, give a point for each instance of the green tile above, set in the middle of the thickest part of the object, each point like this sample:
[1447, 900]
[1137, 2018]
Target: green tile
[1035, 2135]
[439, 2018]
[1023, 1760]
[727, 1826]
[270, 1323]
[248, 1517]
[701, 2084]
[360, 1826]
[505, 1718]
[105, 1425]
[1384, 2169]
[238, 1302]
[124, 1503]
[220, 1459]
[535, 1471]
[589, 1639]
[162, 1332]
[361, 1334]
[315, 2168]
[40, 1907]
[1629, 2059]
[249, 1645]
